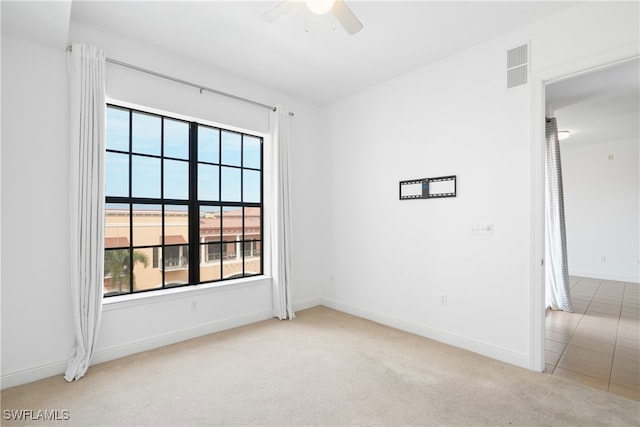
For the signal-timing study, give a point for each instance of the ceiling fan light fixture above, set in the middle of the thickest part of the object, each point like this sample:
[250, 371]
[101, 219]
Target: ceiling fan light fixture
[338, 8]
[320, 7]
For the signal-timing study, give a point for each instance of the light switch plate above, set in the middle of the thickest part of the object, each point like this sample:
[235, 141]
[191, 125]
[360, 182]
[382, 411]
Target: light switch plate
[482, 229]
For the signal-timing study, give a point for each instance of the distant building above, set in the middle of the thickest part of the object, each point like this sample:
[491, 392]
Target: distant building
[225, 236]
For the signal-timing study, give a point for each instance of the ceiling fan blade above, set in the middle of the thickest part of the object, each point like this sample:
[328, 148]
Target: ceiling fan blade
[346, 17]
[279, 10]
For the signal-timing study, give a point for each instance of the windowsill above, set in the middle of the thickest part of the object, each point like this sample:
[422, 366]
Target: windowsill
[150, 297]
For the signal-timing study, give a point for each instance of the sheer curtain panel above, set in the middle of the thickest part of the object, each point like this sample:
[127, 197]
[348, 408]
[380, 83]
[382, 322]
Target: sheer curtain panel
[557, 271]
[87, 114]
[281, 239]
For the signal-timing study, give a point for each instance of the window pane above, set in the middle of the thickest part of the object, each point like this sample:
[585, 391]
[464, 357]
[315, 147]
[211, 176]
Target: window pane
[147, 225]
[231, 259]
[145, 134]
[145, 176]
[251, 152]
[232, 242]
[231, 144]
[252, 224]
[155, 262]
[252, 258]
[144, 275]
[176, 139]
[208, 182]
[116, 271]
[176, 179]
[116, 226]
[251, 186]
[212, 252]
[176, 224]
[210, 261]
[117, 129]
[176, 258]
[230, 185]
[231, 223]
[117, 174]
[208, 145]
[210, 223]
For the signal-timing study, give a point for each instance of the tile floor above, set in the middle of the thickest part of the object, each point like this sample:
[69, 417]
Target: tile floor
[599, 344]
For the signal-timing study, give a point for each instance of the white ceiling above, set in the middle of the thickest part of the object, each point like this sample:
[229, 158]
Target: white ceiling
[599, 106]
[320, 65]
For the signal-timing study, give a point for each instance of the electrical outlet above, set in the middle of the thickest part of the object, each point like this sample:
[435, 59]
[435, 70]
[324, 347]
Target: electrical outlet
[443, 300]
[603, 259]
[194, 305]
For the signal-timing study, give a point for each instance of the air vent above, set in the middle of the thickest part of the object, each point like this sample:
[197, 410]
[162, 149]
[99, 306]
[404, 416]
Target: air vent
[517, 66]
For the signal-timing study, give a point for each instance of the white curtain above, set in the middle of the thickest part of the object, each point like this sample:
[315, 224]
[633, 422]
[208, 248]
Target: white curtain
[281, 239]
[87, 140]
[557, 281]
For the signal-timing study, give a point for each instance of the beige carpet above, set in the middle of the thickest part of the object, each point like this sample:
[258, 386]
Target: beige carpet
[323, 368]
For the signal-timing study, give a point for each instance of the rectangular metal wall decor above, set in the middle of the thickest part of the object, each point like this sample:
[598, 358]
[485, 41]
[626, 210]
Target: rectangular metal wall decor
[428, 188]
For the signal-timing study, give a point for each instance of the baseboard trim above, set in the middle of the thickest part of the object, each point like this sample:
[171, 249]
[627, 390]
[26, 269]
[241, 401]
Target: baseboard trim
[117, 352]
[484, 349]
[32, 374]
[600, 276]
[309, 303]
[112, 353]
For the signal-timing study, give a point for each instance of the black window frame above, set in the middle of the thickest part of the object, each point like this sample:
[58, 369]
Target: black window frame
[193, 204]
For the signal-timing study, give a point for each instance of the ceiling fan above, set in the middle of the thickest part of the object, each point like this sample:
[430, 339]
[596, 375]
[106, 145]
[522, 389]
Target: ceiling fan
[320, 7]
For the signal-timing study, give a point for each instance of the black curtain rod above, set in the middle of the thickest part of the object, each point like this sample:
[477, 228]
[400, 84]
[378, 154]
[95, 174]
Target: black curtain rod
[184, 82]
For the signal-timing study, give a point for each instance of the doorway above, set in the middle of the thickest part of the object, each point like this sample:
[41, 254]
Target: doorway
[598, 345]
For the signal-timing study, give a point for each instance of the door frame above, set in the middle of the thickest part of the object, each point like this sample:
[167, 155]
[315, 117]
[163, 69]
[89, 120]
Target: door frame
[539, 81]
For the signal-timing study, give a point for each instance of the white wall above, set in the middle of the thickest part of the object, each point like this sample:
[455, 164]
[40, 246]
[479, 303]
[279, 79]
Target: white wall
[602, 209]
[394, 259]
[36, 322]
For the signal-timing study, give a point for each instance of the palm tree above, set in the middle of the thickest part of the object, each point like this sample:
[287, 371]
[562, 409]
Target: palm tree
[117, 265]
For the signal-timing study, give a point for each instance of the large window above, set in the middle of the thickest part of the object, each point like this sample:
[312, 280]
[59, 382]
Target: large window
[183, 203]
